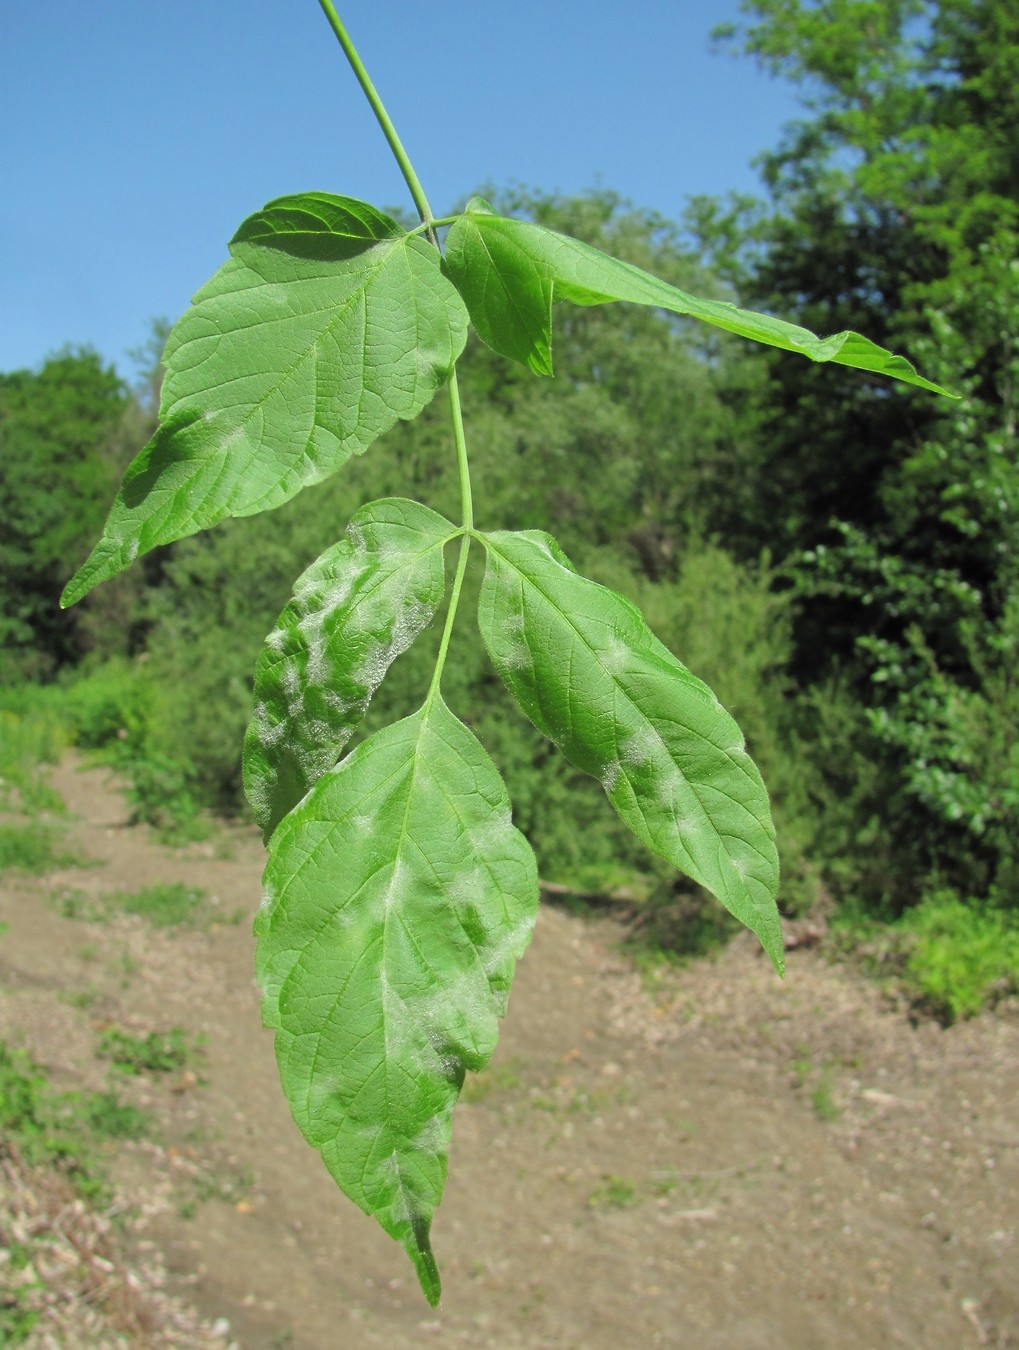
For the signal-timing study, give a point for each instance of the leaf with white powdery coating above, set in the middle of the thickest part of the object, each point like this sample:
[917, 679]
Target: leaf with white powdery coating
[509, 272]
[589, 673]
[353, 611]
[398, 896]
[327, 325]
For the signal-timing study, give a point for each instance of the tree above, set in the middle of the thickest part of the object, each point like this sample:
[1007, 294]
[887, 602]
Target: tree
[894, 207]
[58, 463]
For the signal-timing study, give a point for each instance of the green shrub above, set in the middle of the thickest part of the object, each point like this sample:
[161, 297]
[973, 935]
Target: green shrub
[951, 956]
[29, 740]
[960, 956]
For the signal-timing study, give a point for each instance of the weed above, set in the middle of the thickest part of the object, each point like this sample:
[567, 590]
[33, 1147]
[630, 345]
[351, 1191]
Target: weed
[110, 1118]
[82, 999]
[78, 904]
[158, 1052]
[613, 1193]
[33, 847]
[823, 1100]
[165, 906]
[63, 1130]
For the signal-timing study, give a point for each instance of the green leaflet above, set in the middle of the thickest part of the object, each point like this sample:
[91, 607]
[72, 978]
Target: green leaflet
[327, 325]
[398, 896]
[509, 272]
[589, 673]
[353, 611]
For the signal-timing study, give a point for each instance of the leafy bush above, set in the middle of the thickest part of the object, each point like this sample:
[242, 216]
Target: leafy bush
[960, 956]
[952, 956]
[28, 741]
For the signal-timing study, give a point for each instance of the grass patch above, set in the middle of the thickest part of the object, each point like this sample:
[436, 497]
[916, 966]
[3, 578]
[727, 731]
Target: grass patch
[158, 1052]
[34, 848]
[164, 905]
[62, 1130]
[28, 742]
[959, 958]
[62, 1133]
[613, 1193]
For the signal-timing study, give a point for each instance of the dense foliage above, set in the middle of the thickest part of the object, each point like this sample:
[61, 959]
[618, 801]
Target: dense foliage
[894, 206]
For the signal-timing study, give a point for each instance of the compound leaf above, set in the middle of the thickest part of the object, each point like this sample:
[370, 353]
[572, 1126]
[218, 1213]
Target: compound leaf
[509, 272]
[353, 611]
[398, 896]
[326, 325]
[589, 673]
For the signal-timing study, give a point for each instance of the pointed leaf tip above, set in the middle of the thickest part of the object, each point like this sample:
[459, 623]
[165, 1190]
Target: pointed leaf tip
[327, 326]
[588, 672]
[398, 898]
[509, 272]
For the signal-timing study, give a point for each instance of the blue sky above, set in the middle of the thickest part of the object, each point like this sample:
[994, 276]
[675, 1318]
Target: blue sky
[137, 136]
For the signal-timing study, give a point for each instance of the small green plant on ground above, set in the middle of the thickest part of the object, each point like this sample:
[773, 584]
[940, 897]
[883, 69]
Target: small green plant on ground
[34, 847]
[950, 957]
[822, 1096]
[67, 1133]
[613, 1193]
[398, 894]
[166, 905]
[156, 1052]
[171, 904]
[63, 1130]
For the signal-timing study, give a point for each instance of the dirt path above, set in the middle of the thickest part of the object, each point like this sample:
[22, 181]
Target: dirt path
[726, 1161]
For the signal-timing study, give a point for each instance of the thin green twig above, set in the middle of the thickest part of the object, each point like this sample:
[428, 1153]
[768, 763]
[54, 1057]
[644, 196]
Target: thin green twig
[379, 109]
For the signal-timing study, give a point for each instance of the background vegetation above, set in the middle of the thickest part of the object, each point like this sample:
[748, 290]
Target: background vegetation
[835, 556]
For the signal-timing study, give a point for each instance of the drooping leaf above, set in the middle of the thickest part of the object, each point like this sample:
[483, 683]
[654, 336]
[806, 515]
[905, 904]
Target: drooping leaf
[509, 272]
[398, 896]
[589, 673]
[353, 611]
[327, 325]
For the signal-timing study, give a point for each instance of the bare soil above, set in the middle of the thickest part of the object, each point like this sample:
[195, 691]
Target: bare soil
[721, 1159]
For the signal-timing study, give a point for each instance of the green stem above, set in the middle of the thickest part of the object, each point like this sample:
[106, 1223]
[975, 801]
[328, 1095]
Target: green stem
[460, 437]
[456, 412]
[379, 109]
[467, 510]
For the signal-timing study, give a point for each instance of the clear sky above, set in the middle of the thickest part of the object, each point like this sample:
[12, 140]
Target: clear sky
[135, 137]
